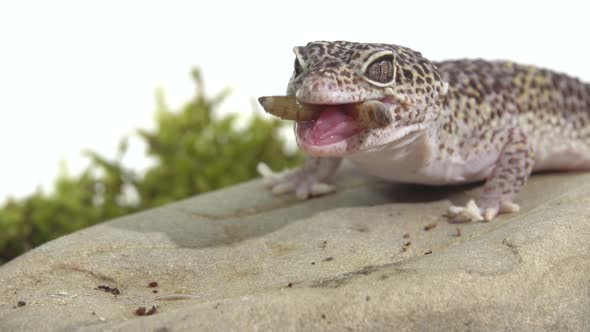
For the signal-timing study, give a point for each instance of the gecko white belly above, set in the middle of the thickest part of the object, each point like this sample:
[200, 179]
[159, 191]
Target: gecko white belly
[413, 159]
[561, 155]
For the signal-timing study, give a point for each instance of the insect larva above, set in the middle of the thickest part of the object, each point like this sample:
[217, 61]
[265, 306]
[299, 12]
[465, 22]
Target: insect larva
[371, 114]
[287, 108]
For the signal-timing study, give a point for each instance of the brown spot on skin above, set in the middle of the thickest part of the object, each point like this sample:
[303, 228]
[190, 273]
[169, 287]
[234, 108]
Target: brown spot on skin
[408, 74]
[418, 70]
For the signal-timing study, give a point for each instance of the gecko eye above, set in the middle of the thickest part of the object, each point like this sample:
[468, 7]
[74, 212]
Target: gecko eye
[381, 70]
[298, 67]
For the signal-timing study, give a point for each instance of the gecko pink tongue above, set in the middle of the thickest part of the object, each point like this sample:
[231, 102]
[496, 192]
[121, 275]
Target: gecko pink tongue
[332, 126]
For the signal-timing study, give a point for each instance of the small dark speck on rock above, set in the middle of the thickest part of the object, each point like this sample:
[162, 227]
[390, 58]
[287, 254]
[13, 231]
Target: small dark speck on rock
[428, 252]
[323, 316]
[155, 291]
[290, 285]
[21, 303]
[367, 298]
[114, 290]
[153, 284]
[406, 236]
[141, 311]
[429, 227]
[312, 263]
[327, 259]
[362, 229]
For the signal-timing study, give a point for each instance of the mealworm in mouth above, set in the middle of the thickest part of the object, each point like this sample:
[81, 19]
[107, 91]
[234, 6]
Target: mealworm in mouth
[371, 113]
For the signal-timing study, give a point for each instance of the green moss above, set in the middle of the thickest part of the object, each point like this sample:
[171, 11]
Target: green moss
[194, 150]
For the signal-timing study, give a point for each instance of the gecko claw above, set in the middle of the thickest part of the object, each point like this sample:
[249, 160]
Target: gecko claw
[268, 176]
[470, 212]
[318, 189]
[490, 213]
[509, 207]
[264, 170]
[302, 182]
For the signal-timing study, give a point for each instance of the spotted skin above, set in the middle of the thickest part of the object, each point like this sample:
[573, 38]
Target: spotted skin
[450, 122]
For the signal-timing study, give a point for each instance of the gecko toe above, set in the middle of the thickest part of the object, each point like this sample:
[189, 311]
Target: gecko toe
[490, 213]
[283, 187]
[470, 212]
[318, 189]
[509, 207]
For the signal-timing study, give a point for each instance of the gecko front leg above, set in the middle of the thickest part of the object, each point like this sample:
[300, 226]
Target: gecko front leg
[509, 175]
[305, 181]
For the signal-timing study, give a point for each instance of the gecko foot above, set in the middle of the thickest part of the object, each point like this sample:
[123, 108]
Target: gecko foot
[298, 180]
[472, 212]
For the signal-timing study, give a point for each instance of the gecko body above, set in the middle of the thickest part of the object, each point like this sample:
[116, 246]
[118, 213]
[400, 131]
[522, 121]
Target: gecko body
[451, 122]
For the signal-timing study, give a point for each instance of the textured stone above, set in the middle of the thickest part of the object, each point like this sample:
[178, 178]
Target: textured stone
[241, 259]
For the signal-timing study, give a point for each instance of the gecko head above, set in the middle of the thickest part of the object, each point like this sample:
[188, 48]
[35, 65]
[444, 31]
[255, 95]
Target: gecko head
[334, 75]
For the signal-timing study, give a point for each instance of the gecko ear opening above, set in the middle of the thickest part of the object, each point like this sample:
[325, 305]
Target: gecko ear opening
[299, 65]
[379, 69]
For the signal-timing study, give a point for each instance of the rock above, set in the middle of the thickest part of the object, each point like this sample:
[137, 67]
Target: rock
[242, 259]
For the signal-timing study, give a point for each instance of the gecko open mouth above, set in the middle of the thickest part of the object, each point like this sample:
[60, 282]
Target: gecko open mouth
[334, 124]
[321, 125]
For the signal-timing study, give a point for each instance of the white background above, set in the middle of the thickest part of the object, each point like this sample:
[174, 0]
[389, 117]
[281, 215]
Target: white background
[81, 74]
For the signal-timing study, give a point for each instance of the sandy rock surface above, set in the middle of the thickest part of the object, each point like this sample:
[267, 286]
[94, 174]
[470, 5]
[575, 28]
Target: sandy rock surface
[372, 256]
